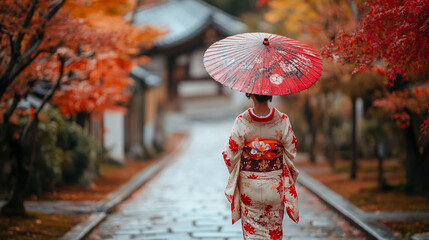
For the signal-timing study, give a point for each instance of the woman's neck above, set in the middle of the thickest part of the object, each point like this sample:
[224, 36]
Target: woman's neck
[261, 109]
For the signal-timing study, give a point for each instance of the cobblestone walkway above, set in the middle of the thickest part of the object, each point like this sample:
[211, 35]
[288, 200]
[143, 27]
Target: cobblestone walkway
[186, 200]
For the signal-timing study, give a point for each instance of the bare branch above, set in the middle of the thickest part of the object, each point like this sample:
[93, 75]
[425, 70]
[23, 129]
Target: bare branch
[16, 66]
[55, 6]
[12, 50]
[4, 77]
[45, 100]
[30, 13]
[39, 52]
[33, 48]
[9, 76]
[8, 114]
[55, 87]
[27, 22]
[3, 30]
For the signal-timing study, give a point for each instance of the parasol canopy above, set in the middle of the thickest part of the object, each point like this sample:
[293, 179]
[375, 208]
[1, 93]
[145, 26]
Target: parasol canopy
[263, 63]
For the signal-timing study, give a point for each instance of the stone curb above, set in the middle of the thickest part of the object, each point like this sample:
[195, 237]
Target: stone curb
[80, 230]
[106, 206]
[353, 214]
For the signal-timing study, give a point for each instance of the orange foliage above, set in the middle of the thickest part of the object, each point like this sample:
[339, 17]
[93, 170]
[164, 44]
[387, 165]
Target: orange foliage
[95, 38]
[84, 8]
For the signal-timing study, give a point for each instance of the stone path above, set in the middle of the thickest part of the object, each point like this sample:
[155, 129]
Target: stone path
[186, 200]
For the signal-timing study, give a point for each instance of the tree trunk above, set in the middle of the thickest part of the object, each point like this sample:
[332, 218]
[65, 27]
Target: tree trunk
[309, 117]
[353, 166]
[329, 129]
[417, 170]
[313, 145]
[331, 147]
[15, 205]
[381, 153]
[417, 163]
[22, 148]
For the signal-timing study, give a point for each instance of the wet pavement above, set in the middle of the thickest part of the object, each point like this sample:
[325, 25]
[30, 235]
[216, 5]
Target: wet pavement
[186, 200]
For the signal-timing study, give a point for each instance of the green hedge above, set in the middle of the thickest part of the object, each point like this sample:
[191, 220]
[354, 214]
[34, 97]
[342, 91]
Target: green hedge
[64, 153]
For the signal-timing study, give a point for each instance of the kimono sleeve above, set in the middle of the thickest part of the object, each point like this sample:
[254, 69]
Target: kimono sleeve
[289, 143]
[234, 146]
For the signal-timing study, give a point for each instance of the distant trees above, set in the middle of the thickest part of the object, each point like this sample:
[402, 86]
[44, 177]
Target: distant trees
[389, 37]
[393, 34]
[316, 23]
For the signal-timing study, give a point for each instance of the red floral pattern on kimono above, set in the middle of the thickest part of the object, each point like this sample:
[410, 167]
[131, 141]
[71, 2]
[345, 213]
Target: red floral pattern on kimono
[233, 145]
[226, 160]
[276, 234]
[278, 175]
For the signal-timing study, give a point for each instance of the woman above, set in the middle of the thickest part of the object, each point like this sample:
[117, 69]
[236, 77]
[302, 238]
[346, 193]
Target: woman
[259, 155]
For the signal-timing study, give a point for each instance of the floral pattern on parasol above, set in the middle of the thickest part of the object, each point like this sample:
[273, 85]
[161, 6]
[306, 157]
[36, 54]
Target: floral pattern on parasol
[263, 63]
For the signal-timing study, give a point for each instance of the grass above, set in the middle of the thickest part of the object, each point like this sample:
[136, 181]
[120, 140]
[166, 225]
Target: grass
[407, 228]
[363, 191]
[366, 169]
[371, 199]
[37, 226]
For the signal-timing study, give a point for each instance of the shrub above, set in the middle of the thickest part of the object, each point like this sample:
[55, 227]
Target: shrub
[63, 153]
[81, 153]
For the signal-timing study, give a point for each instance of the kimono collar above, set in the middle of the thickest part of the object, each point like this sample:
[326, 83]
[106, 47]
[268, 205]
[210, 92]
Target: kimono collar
[256, 118]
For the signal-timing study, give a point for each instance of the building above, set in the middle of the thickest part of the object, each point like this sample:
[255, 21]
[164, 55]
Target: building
[192, 26]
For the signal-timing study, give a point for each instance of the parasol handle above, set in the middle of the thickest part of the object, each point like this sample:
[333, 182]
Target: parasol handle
[265, 42]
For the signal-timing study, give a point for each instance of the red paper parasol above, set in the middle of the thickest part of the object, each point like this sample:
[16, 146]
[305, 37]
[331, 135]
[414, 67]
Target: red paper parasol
[263, 63]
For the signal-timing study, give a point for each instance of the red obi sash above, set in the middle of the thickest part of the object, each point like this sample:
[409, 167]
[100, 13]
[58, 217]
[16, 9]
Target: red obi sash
[263, 149]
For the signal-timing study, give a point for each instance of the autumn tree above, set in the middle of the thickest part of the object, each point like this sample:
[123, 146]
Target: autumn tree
[85, 63]
[394, 35]
[317, 23]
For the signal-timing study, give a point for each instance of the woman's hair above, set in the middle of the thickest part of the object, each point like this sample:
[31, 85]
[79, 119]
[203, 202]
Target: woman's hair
[260, 98]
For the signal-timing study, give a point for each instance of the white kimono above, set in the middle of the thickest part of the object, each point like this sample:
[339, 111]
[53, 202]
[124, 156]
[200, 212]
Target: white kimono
[260, 196]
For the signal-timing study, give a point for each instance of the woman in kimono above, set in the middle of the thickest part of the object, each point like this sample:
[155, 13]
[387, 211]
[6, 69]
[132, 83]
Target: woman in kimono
[259, 156]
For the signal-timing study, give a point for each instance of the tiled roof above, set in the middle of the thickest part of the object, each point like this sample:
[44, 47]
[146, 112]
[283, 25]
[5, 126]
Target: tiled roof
[185, 19]
[147, 78]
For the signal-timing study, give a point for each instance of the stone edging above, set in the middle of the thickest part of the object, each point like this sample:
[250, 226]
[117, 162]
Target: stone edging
[105, 206]
[80, 230]
[353, 214]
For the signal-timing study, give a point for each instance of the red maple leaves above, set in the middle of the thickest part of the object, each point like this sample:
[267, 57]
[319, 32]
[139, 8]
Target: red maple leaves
[285, 171]
[227, 161]
[276, 234]
[395, 33]
[248, 228]
[246, 200]
[290, 213]
[232, 145]
[294, 141]
[388, 29]
[253, 176]
[279, 188]
[267, 210]
[292, 191]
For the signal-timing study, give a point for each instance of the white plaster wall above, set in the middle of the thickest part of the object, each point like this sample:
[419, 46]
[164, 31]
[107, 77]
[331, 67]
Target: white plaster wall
[196, 68]
[114, 135]
[149, 136]
[239, 99]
